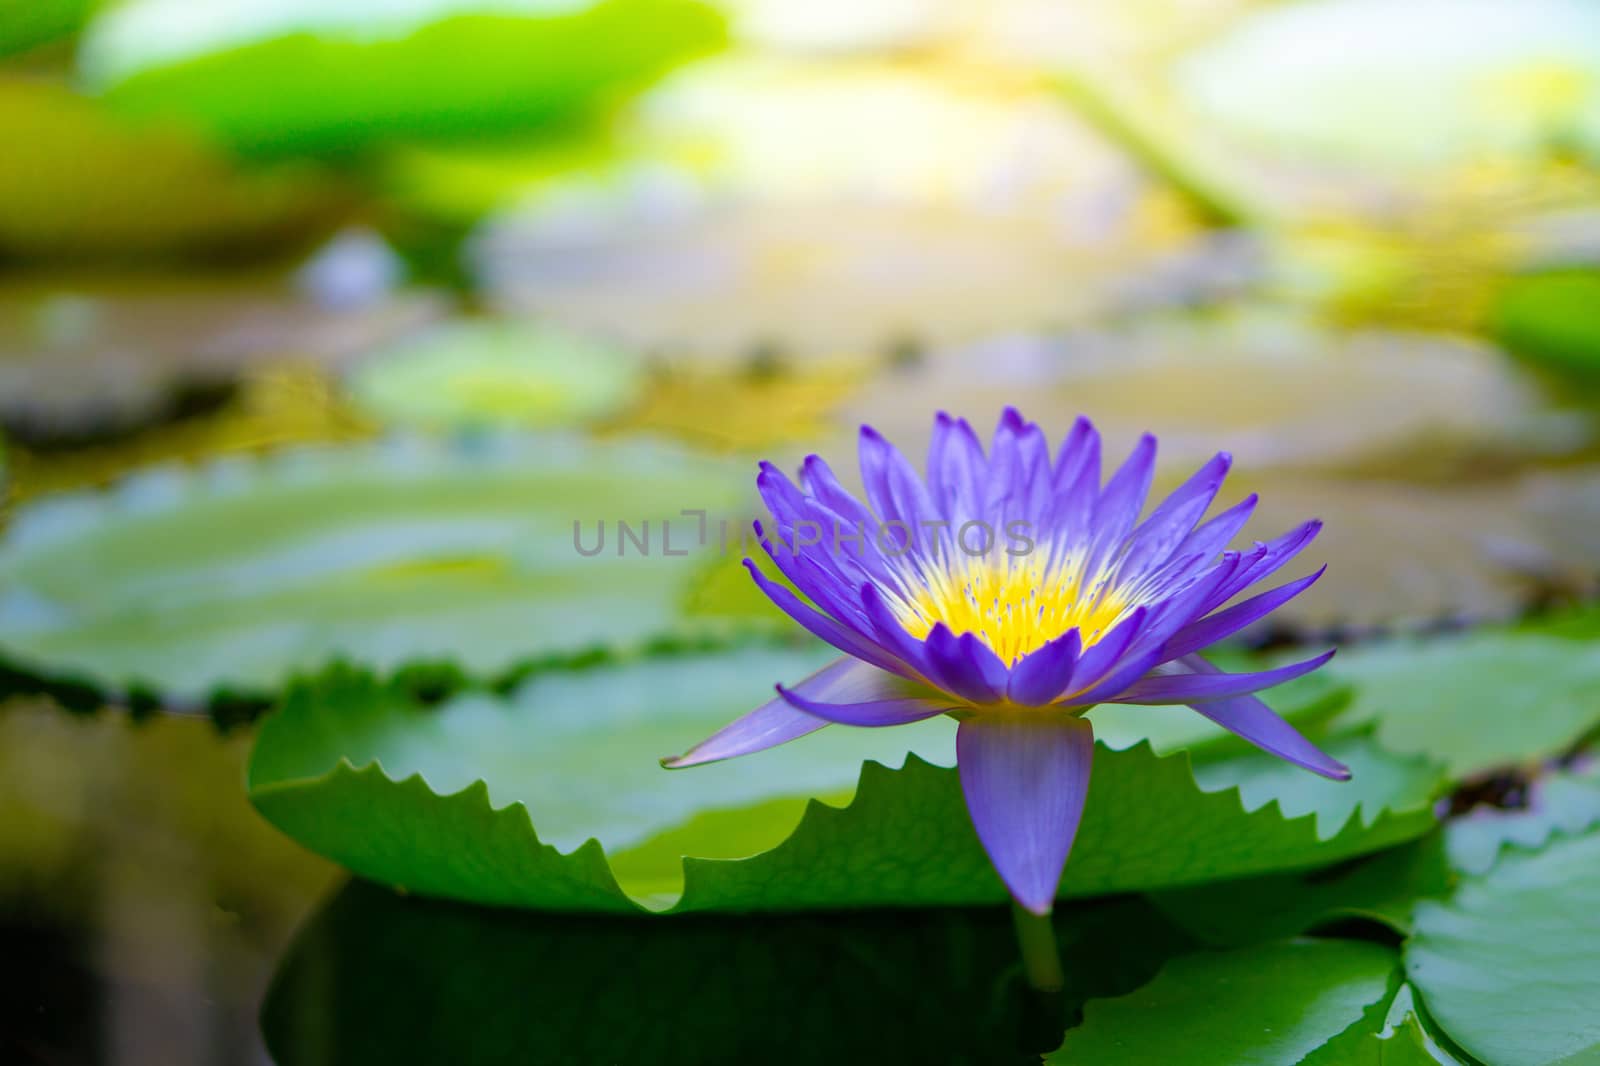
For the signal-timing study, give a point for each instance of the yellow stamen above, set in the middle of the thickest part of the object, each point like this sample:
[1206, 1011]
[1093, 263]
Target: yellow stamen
[1014, 604]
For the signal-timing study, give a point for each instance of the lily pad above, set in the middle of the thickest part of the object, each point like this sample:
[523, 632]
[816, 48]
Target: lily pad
[239, 574]
[57, 204]
[335, 76]
[476, 374]
[1400, 1038]
[552, 798]
[1474, 701]
[1262, 1006]
[1384, 888]
[1489, 80]
[1506, 966]
[378, 978]
[1387, 780]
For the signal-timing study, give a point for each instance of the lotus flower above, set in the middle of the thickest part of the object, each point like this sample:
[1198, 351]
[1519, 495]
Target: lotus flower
[1014, 592]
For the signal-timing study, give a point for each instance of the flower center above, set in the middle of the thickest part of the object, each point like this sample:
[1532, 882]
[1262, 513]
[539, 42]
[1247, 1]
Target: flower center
[1014, 604]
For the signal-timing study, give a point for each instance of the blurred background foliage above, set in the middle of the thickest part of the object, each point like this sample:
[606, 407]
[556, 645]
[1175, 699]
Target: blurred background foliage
[1355, 241]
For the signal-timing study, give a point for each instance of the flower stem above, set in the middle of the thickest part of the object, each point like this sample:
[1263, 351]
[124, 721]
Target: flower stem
[1041, 959]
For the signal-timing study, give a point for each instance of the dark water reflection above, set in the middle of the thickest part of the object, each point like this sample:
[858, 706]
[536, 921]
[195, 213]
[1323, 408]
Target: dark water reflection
[380, 978]
[143, 903]
[149, 916]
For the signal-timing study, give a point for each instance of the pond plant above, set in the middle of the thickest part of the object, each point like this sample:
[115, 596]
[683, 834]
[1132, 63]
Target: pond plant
[1014, 592]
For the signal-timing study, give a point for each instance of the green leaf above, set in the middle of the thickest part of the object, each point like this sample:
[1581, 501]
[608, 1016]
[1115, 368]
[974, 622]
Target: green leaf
[552, 798]
[242, 573]
[1398, 1037]
[1383, 888]
[1387, 886]
[1507, 966]
[1474, 701]
[483, 373]
[1379, 780]
[340, 75]
[1261, 1006]
[376, 978]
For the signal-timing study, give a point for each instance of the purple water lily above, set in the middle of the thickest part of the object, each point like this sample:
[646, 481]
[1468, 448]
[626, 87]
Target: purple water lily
[1014, 592]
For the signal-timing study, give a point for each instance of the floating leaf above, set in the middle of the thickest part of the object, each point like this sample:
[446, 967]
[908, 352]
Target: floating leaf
[1491, 81]
[1399, 1039]
[343, 74]
[1474, 701]
[244, 572]
[1385, 781]
[360, 773]
[56, 201]
[1383, 888]
[377, 978]
[476, 374]
[1506, 966]
[1262, 1006]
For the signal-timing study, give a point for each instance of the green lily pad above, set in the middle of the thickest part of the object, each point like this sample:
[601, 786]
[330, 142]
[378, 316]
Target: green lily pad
[1400, 1038]
[1548, 319]
[379, 978]
[335, 76]
[552, 798]
[477, 374]
[1262, 1006]
[1491, 81]
[1385, 887]
[1507, 965]
[57, 204]
[239, 574]
[1565, 803]
[1474, 701]
[1386, 779]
